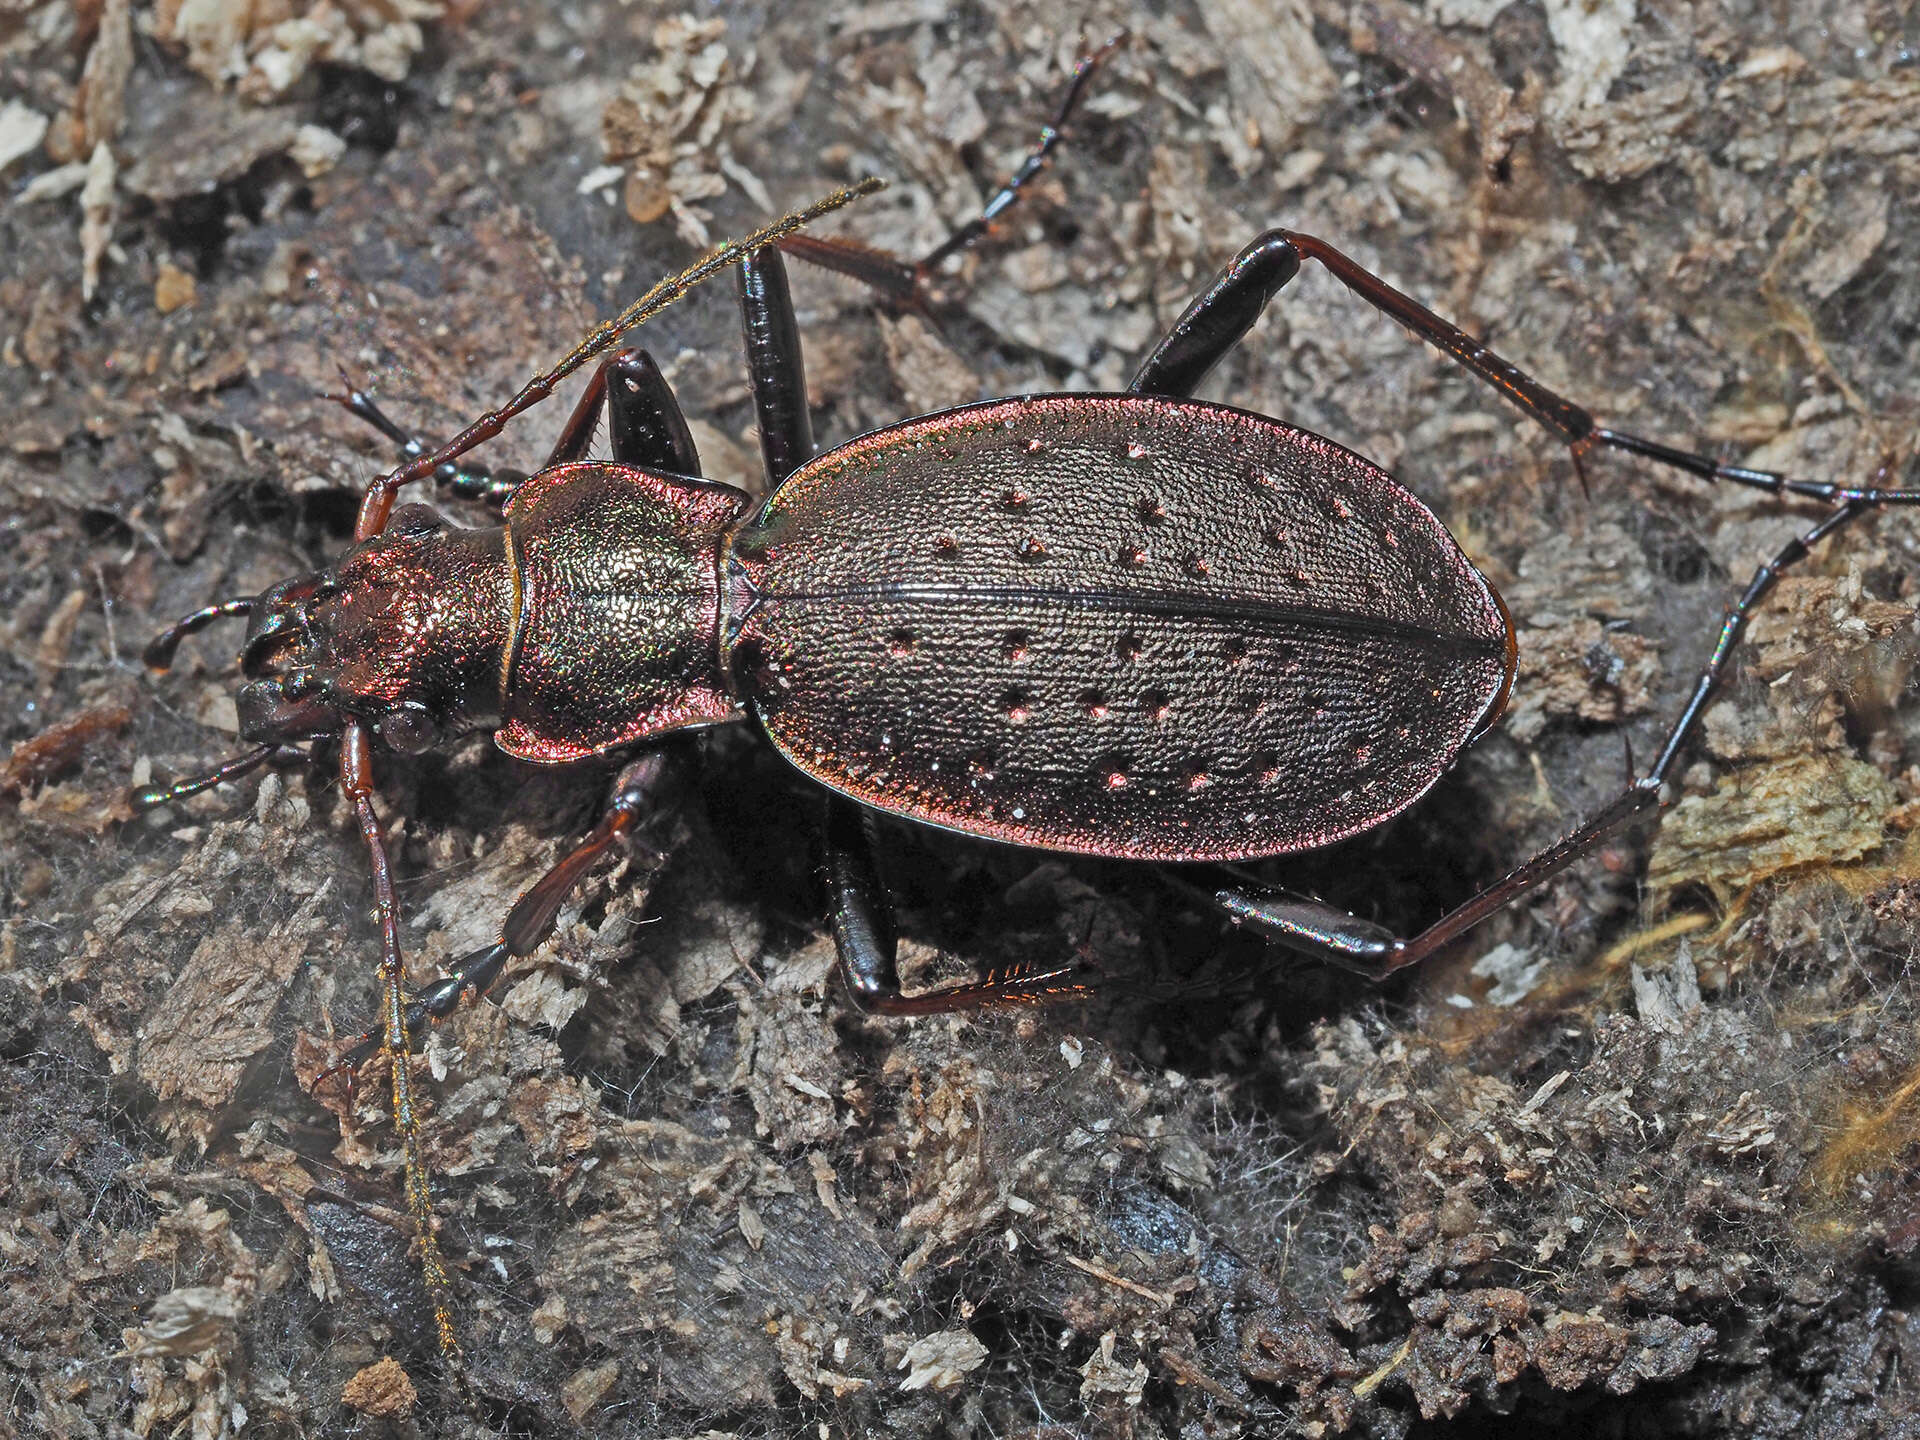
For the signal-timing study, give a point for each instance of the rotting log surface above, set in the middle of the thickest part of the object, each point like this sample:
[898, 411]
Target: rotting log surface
[1548, 1181]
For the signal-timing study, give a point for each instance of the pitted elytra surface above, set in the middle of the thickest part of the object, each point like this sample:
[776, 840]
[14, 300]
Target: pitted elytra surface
[1036, 619]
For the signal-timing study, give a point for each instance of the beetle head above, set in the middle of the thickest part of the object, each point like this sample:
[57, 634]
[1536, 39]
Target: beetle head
[405, 632]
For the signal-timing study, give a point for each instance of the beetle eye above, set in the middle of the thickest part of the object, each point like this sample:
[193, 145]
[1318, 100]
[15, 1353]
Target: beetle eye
[408, 729]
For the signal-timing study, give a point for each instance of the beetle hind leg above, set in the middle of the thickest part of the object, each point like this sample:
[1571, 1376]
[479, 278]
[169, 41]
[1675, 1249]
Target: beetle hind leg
[1220, 317]
[1330, 934]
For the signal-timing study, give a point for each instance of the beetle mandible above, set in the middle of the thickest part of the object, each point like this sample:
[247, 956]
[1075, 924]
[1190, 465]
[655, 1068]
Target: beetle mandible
[1133, 625]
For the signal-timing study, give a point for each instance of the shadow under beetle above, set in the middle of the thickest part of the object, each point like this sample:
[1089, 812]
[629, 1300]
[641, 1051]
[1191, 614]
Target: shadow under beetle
[1134, 625]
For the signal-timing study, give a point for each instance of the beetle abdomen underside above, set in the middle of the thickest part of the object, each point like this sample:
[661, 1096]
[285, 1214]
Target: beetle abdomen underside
[1115, 625]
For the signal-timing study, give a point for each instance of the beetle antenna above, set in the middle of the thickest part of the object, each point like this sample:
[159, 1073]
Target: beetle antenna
[148, 797]
[160, 650]
[378, 501]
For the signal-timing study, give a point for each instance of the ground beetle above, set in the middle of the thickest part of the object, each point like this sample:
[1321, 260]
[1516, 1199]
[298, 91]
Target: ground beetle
[1134, 625]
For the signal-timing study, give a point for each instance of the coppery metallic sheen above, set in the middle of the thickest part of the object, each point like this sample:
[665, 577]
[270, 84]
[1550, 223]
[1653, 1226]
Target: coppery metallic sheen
[1116, 625]
[618, 609]
[1199, 634]
[587, 621]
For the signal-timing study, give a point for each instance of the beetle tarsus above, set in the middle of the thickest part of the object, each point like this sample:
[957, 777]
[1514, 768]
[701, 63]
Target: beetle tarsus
[466, 482]
[908, 284]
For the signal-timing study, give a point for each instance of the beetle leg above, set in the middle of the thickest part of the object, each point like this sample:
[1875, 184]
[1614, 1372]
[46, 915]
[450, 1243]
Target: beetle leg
[644, 423]
[863, 937]
[862, 919]
[1702, 467]
[1217, 319]
[468, 482]
[647, 429]
[530, 921]
[1331, 934]
[1221, 315]
[776, 370]
[528, 924]
[904, 284]
[160, 650]
[1207, 330]
[863, 933]
[1001, 989]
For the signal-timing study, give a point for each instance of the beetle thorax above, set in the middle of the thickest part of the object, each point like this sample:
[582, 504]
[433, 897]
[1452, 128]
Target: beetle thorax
[618, 609]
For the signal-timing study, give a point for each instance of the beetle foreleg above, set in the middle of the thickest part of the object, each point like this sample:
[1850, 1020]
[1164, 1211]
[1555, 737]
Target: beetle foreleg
[645, 426]
[905, 284]
[161, 649]
[528, 924]
[531, 920]
[468, 482]
[378, 501]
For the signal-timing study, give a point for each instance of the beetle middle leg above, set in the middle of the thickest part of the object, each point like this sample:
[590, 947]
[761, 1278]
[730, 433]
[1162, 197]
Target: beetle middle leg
[864, 940]
[863, 932]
